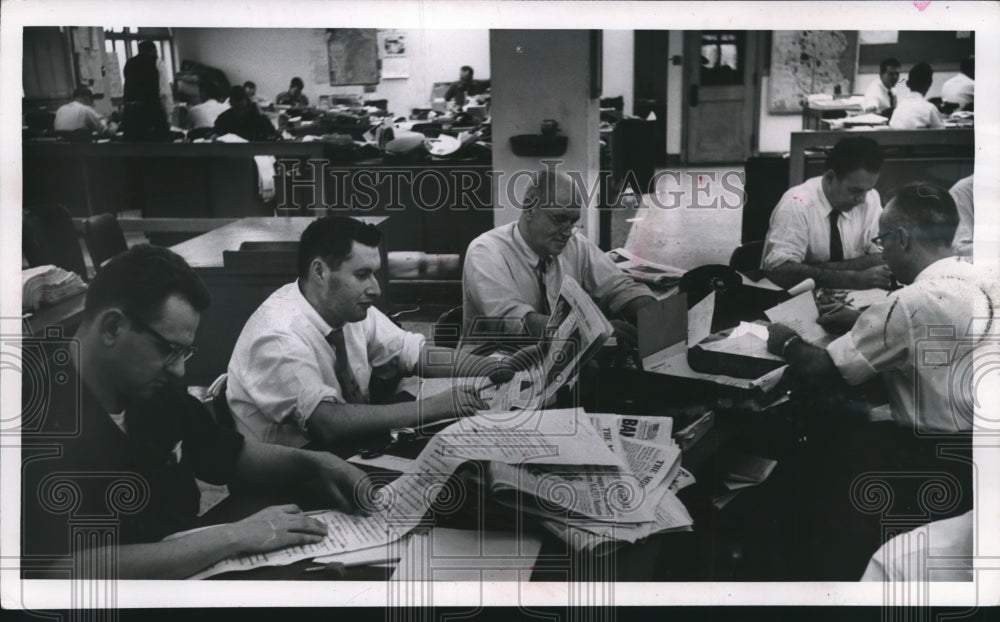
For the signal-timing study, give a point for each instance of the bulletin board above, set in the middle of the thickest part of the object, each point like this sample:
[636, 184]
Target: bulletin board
[943, 49]
[353, 56]
[804, 62]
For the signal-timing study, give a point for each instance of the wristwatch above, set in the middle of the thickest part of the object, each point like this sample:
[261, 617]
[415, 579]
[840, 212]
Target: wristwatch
[788, 342]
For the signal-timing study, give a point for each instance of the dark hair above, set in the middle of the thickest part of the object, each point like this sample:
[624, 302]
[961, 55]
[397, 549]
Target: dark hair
[920, 78]
[82, 91]
[888, 62]
[330, 238]
[141, 279]
[853, 153]
[467, 68]
[249, 85]
[297, 81]
[928, 208]
[237, 95]
[968, 66]
[147, 47]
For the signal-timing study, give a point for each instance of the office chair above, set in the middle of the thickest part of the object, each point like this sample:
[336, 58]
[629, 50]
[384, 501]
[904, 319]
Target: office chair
[448, 328]
[48, 237]
[104, 238]
[220, 406]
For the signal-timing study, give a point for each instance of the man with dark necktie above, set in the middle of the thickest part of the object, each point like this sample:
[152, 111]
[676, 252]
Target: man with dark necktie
[822, 228]
[300, 369]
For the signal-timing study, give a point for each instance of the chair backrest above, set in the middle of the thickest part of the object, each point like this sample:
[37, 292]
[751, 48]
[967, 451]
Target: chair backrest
[765, 181]
[220, 406]
[448, 328]
[747, 257]
[48, 237]
[104, 238]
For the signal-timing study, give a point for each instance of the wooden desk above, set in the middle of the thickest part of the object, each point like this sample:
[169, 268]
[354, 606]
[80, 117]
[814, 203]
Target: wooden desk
[932, 155]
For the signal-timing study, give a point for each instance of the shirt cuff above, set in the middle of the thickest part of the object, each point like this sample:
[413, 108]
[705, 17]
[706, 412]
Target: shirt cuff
[775, 259]
[618, 300]
[851, 364]
[309, 399]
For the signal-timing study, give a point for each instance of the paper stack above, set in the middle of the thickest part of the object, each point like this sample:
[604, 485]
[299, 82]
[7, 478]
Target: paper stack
[653, 274]
[48, 284]
[744, 471]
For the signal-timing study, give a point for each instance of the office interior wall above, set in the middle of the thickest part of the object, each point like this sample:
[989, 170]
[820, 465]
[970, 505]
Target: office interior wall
[618, 57]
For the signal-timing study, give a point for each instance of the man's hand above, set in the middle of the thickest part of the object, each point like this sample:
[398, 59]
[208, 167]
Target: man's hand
[347, 485]
[876, 276]
[840, 321]
[522, 360]
[777, 334]
[463, 400]
[276, 527]
[626, 334]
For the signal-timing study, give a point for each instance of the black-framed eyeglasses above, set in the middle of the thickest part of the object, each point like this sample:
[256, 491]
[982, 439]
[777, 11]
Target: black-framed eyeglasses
[175, 351]
[877, 240]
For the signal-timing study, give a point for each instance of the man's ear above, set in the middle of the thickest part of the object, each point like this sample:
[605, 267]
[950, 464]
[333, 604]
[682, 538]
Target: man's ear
[904, 239]
[317, 269]
[109, 325]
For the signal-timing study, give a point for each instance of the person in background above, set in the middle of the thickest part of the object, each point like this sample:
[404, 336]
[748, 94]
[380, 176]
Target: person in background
[204, 114]
[513, 273]
[465, 87]
[244, 119]
[961, 89]
[143, 115]
[914, 111]
[131, 441]
[881, 95]
[251, 89]
[961, 192]
[79, 114]
[294, 96]
[300, 371]
[821, 229]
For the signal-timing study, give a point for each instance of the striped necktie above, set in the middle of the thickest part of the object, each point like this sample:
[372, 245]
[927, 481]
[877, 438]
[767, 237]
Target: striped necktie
[349, 388]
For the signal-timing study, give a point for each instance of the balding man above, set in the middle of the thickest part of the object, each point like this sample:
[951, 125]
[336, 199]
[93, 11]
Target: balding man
[513, 274]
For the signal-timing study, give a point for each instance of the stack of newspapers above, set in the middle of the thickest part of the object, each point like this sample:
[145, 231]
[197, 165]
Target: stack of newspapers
[645, 271]
[47, 285]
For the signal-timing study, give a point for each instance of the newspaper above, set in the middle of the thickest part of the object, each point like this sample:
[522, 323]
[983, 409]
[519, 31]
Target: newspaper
[643, 271]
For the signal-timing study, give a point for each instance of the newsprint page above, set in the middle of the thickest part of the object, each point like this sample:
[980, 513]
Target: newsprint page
[657, 310]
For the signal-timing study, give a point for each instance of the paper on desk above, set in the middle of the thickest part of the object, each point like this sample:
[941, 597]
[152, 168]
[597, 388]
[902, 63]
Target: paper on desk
[800, 314]
[345, 532]
[683, 479]
[443, 554]
[673, 362]
[651, 463]
[864, 298]
[763, 283]
[747, 343]
[700, 320]
[644, 428]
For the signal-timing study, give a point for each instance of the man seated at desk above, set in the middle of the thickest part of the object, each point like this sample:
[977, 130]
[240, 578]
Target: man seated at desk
[300, 369]
[914, 341]
[881, 96]
[513, 274]
[206, 112]
[961, 192]
[914, 111]
[123, 441]
[294, 96]
[961, 89]
[466, 86]
[79, 114]
[822, 228]
[244, 119]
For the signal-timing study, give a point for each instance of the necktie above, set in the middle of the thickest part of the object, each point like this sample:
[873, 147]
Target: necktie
[540, 269]
[892, 100]
[349, 388]
[836, 245]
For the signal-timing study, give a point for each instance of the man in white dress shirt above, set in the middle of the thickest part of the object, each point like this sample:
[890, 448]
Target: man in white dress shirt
[881, 95]
[914, 111]
[821, 229]
[961, 89]
[300, 369]
[79, 114]
[513, 274]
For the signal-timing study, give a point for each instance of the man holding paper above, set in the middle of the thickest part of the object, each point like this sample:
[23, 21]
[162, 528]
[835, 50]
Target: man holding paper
[821, 229]
[122, 441]
[513, 274]
[300, 369]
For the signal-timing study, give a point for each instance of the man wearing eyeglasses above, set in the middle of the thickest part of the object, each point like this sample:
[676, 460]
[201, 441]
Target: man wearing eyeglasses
[920, 340]
[513, 274]
[123, 441]
[821, 228]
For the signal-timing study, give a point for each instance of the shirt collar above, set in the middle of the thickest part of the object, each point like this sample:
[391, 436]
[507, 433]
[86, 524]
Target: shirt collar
[308, 312]
[522, 246]
[824, 203]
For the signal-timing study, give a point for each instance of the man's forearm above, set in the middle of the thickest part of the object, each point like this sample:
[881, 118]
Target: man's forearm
[631, 309]
[174, 559]
[858, 263]
[334, 423]
[790, 273]
[436, 362]
[813, 364]
[267, 463]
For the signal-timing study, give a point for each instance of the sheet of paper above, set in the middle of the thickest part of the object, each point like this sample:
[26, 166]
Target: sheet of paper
[745, 344]
[763, 283]
[444, 554]
[673, 362]
[807, 285]
[800, 314]
[650, 463]
[700, 320]
[643, 428]
[683, 479]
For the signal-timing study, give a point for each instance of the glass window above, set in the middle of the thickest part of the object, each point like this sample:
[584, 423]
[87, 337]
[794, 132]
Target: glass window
[722, 58]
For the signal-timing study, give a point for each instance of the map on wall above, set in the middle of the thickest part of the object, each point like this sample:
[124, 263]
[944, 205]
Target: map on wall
[805, 62]
[353, 56]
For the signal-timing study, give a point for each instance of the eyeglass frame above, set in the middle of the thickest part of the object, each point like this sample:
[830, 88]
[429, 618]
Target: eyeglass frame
[877, 240]
[177, 351]
[574, 227]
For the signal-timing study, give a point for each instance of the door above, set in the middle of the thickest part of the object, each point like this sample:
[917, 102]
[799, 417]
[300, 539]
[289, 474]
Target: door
[720, 107]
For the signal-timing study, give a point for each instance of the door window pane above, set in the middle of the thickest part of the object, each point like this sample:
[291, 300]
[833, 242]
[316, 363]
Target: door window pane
[722, 58]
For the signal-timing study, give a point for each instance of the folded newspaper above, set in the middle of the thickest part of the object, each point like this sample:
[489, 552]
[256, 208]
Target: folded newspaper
[48, 284]
[643, 271]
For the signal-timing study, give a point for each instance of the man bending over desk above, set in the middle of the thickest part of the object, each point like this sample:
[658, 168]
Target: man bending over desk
[300, 370]
[513, 274]
[122, 441]
[821, 229]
